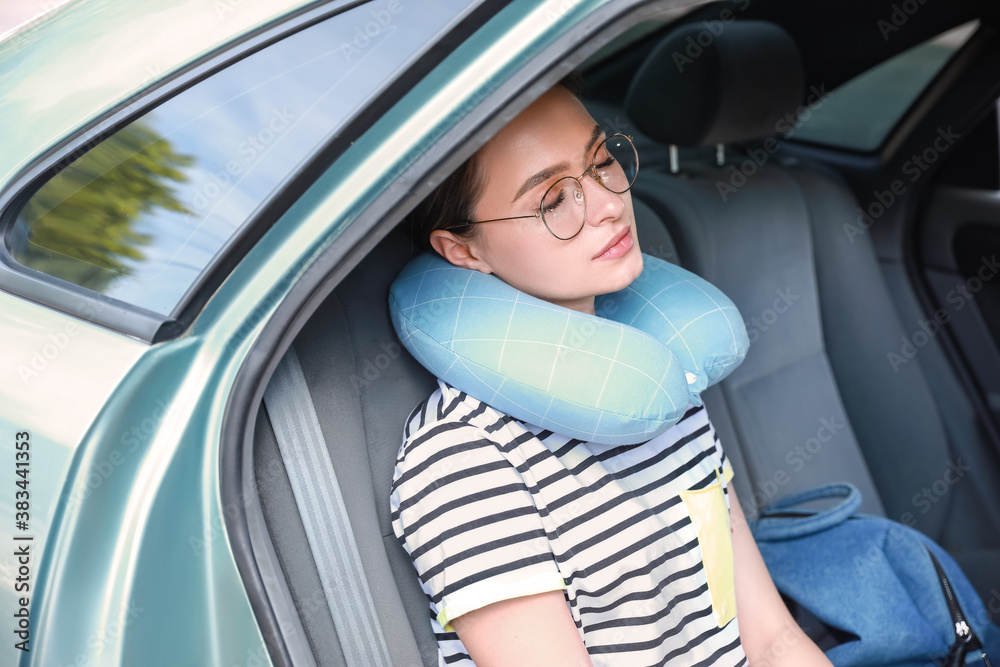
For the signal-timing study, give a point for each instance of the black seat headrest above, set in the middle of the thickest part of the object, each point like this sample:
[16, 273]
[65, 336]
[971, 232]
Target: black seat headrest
[704, 85]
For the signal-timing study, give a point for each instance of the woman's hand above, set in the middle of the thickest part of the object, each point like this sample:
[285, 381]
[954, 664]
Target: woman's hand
[769, 634]
[524, 631]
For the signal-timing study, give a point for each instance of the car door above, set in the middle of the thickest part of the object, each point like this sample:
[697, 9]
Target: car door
[958, 241]
[915, 136]
[928, 199]
[134, 281]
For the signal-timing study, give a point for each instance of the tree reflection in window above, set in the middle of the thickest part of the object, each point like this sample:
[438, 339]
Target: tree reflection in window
[89, 210]
[143, 215]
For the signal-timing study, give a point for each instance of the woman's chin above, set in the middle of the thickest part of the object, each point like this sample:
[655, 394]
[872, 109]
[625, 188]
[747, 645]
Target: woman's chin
[629, 269]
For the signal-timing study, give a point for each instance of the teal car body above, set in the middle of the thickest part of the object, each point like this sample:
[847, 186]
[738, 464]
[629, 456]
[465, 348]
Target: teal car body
[129, 556]
[133, 509]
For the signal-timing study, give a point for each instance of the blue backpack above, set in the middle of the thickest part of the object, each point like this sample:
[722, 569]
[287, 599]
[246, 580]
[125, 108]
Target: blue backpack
[889, 594]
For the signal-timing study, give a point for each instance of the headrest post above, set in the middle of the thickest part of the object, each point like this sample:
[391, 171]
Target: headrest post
[674, 160]
[720, 154]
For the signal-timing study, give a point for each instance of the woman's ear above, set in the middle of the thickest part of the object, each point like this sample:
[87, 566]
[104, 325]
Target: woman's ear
[459, 251]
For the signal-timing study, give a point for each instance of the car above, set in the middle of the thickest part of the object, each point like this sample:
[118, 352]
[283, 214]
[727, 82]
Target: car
[189, 191]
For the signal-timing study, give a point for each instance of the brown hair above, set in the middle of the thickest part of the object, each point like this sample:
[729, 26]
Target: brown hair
[455, 199]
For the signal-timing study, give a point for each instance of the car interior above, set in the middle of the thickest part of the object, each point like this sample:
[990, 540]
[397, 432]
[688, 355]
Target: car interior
[866, 277]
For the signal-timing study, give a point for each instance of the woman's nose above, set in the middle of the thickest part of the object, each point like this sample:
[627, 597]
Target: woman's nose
[602, 204]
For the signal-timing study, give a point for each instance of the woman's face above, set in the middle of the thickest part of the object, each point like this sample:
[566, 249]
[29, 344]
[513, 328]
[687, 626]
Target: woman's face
[552, 138]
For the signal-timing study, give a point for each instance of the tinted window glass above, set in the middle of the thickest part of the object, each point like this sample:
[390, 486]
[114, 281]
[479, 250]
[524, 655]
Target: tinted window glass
[141, 215]
[860, 113]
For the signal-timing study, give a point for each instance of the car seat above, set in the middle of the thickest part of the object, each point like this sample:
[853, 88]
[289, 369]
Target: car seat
[815, 401]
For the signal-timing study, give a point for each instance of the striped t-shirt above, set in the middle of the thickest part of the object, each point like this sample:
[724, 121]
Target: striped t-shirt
[490, 508]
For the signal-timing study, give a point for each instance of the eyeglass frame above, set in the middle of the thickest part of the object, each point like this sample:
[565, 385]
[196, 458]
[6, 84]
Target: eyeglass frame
[592, 170]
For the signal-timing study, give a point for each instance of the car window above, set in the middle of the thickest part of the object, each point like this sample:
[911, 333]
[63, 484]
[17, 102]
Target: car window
[860, 113]
[141, 215]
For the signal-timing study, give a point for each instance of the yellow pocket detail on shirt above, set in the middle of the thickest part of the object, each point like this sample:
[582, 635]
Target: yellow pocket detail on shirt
[710, 517]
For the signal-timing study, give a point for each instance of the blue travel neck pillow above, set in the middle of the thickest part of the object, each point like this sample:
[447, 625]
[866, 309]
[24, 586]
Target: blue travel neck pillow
[621, 377]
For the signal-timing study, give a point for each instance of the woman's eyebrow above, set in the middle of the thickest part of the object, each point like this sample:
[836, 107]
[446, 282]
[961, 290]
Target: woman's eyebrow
[594, 136]
[539, 178]
[547, 173]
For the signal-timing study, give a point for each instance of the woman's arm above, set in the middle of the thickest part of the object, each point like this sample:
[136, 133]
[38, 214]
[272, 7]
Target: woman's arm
[524, 631]
[769, 634]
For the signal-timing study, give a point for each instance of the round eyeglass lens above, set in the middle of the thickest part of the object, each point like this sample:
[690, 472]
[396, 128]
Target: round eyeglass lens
[564, 208]
[616, 163]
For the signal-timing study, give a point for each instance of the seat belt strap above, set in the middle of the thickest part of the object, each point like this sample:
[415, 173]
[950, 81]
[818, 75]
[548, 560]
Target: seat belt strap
[324, 515]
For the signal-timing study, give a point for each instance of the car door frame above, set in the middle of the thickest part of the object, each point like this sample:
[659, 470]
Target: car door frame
[501, 101]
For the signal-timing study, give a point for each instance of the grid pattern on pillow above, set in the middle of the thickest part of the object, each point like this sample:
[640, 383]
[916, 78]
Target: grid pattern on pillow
[612, 379]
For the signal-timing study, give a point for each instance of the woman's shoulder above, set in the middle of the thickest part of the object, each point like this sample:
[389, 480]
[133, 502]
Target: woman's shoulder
[448, 439]
[447, 415]
[445, 404]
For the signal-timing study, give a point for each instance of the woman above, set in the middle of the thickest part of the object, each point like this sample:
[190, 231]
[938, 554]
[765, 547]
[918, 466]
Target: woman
[536, 549]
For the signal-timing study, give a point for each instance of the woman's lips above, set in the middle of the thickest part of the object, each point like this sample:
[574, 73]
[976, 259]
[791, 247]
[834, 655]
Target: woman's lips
[618, 246]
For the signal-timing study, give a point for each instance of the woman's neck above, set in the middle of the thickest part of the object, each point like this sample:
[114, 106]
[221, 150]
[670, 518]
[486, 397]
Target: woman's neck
[583, 304]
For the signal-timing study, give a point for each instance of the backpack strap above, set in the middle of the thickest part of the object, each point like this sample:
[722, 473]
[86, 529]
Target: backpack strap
[782, 521]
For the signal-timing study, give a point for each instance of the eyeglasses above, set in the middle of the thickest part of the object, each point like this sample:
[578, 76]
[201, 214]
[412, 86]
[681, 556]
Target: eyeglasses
[563, 208]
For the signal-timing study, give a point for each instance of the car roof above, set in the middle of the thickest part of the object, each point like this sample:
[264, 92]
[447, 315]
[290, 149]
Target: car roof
[66, 68]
